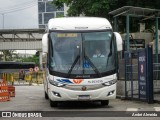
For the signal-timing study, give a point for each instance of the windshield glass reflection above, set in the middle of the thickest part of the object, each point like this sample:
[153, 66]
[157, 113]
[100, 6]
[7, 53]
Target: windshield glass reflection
[82, 53]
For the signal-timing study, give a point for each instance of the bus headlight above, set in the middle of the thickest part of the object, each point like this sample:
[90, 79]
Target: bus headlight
[58, 84]
[109, 82]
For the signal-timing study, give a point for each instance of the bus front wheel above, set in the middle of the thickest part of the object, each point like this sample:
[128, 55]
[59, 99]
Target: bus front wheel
[53, 103]
[105, 102]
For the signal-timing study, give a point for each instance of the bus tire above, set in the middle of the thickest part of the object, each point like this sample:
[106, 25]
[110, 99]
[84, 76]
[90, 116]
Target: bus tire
[105, 102]
[53, 103]
[46, 95]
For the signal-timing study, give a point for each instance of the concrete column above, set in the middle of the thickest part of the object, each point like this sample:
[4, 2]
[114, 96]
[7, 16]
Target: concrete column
[65, 9]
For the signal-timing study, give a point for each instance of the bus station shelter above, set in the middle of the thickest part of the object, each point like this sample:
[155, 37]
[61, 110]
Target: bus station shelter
[143, 13]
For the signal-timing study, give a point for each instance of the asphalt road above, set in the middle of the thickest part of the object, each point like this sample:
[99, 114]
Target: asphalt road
[31, 98]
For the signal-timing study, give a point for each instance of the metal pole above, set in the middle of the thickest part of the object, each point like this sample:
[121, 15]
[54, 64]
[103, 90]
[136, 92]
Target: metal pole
[156, 42]
[150, 87]
[115, 24]
[131, 74]
[127, 31]
[3, 19]
[40, 60]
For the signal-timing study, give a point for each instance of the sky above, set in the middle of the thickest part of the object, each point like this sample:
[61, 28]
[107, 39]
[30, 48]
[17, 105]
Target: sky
[18, 14]
[26, 51]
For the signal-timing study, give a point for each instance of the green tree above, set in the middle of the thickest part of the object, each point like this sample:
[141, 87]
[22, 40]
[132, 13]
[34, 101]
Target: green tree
[8, 55]
[99, 8]
[102, 7]
[34, 58]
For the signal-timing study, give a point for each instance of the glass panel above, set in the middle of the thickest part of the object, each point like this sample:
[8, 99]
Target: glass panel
[99, 52]
[50, 7]
[59, 14]
[41, 26]
[66, 49]
[40, 18]
[41, 6]
[48, 16]
[61, 9]
[91, 54]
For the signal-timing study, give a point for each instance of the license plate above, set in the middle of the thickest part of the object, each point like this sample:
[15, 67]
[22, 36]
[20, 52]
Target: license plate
[84, 97]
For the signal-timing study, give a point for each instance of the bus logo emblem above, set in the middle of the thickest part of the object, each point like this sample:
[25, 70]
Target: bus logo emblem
[84, 88]
[77, 81]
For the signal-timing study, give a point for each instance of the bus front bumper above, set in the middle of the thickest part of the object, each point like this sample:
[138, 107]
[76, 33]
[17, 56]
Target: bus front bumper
[62, 94]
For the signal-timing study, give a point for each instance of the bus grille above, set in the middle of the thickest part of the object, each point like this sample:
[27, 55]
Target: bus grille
[79, 87]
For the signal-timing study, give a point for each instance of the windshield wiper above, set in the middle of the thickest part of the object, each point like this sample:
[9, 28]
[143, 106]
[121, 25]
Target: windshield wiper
[93, 66]
[74, 63]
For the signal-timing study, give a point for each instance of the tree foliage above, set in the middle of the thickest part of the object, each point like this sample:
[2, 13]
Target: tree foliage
[8, 55]
[100, 8]
[34, 58]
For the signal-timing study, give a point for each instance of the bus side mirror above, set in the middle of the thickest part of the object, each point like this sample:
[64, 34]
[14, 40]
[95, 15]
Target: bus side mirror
[45, 43]
[118, 41]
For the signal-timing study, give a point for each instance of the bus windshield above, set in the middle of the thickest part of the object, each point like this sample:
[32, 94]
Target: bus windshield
[82, 53]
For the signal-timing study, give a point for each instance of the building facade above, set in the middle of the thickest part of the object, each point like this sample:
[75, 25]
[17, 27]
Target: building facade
[46, 11]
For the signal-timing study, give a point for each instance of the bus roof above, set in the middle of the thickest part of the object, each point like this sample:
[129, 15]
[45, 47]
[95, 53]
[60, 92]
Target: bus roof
[79, 23]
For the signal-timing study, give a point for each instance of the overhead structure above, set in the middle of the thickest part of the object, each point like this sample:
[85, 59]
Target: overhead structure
[144, 13]
[22, 39]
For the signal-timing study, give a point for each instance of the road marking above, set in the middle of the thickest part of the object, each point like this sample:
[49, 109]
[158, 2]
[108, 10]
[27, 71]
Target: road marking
[35, 84]
[157, 108]
[132, 109]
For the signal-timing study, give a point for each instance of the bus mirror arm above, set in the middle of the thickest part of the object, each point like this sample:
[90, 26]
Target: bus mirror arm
[110, 52]
[118, 41]
[45, 43]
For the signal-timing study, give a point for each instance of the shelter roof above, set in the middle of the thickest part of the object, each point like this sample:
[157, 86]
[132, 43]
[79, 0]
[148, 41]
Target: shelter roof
[136, 12]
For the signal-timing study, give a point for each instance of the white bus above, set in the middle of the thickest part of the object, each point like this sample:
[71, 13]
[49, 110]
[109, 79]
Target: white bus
[80, 59]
